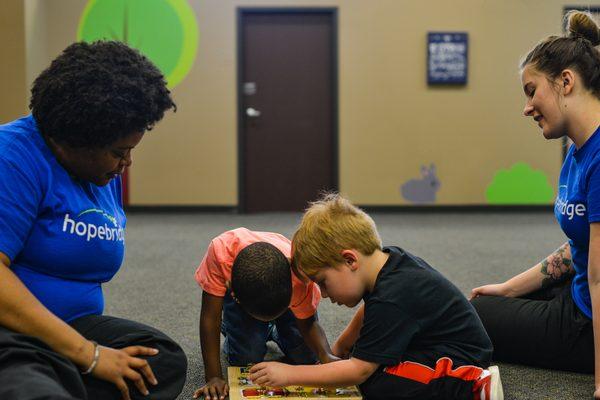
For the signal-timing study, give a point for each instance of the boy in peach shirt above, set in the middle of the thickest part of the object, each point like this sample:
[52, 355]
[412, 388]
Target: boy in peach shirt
[250, 294]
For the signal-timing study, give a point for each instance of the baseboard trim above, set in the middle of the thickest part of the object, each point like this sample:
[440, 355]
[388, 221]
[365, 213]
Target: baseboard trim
[482, 208]
[179, 209]
[479, 208]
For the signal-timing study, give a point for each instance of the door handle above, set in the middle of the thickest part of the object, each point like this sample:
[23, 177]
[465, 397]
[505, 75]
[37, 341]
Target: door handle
[252, 113]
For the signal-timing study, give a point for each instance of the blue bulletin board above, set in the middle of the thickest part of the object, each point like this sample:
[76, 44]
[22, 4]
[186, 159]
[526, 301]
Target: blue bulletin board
[447, 58]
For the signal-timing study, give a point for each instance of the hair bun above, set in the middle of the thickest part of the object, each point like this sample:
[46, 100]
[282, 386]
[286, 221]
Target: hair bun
[582, 24]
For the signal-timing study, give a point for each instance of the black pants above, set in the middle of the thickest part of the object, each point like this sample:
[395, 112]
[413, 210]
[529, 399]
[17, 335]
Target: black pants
[383, 386]
[546, 329]
[30, 370]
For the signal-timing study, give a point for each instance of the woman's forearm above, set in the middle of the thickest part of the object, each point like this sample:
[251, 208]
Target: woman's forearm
[21, 312]
[555, 268]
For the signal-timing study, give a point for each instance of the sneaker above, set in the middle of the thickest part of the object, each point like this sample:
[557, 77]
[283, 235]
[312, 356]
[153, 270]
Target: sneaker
[489, 385]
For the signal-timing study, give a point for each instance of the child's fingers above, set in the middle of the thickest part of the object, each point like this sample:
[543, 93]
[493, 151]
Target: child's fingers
[257, 367]
[220, 392]
[257, 376]
[225, 391]
[214, 393]
[262, 380]
[202, 392]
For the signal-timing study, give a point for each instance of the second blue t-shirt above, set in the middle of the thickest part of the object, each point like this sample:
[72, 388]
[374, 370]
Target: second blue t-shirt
[577, 206]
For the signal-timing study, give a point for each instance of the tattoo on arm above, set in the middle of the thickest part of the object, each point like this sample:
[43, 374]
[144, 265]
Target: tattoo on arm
[557, 267]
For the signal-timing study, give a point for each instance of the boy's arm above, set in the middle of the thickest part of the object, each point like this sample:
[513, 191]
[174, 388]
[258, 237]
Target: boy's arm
[210, 342]
[343, 345]
[314, 337]
[336, 374]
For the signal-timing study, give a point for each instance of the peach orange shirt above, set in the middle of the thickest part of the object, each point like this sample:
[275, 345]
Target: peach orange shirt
[215, 269]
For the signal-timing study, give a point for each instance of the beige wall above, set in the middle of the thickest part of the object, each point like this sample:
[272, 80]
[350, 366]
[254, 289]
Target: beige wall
[469, 133]
[390, 121]
[13, 99]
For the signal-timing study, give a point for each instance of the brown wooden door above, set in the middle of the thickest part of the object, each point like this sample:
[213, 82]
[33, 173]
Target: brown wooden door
[287, 108]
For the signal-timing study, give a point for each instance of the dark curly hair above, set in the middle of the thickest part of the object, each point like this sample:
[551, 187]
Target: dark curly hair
[96, 93]
[261, 280]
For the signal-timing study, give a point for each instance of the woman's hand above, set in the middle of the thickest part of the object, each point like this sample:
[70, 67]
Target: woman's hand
[597, 394]
[118, 365]
[497, 289]
[216, 388]
[273, 374]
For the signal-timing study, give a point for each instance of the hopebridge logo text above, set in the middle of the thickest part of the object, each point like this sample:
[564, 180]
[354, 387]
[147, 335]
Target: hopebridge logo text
[90, 231]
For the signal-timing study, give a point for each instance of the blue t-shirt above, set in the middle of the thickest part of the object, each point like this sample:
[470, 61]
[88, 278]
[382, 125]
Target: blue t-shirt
[577, 206]
[64, 237]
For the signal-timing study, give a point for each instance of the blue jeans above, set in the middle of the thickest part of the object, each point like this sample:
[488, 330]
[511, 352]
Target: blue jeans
[246, 337]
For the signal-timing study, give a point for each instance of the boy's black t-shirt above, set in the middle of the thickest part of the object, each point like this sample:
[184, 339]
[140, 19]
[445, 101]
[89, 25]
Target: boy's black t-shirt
[415, 314]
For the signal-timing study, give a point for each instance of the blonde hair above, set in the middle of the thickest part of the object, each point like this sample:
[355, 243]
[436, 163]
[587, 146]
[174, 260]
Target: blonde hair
[330, 225]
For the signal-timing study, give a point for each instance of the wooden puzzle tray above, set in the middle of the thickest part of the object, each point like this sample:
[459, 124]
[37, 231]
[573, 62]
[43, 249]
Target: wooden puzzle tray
[241, 388]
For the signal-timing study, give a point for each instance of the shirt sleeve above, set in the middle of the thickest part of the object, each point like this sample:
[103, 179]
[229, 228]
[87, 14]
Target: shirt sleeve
[593, 193]
[209, 274]
[386, 332]
[20, 195]
[305, 299]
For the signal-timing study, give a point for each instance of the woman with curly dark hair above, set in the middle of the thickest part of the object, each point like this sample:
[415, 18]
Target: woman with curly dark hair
[62, 233]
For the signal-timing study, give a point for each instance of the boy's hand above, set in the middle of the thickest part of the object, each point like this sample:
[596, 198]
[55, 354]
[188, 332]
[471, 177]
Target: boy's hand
[272, 374]
[216, 388]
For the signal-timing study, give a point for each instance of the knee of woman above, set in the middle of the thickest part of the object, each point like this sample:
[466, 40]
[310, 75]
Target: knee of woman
[180, 363]
[479, 303]
[171, 369]
[176, 357]
[170, 357]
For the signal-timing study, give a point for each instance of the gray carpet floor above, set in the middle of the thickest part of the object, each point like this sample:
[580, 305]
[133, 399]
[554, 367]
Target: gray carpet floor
[156, 283]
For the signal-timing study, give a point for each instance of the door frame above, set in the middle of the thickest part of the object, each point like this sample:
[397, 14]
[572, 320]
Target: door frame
[241, 13]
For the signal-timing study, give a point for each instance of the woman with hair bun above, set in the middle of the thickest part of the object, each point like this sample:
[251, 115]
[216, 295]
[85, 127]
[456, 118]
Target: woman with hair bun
[544, 316]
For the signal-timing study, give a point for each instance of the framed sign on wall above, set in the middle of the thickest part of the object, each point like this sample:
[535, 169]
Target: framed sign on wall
[447, 58]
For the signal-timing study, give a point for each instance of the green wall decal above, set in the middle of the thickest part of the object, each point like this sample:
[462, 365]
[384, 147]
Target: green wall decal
[165, 31]
[520, 184]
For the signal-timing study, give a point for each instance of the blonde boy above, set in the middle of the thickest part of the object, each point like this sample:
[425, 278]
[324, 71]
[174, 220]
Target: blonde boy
[414, 337]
